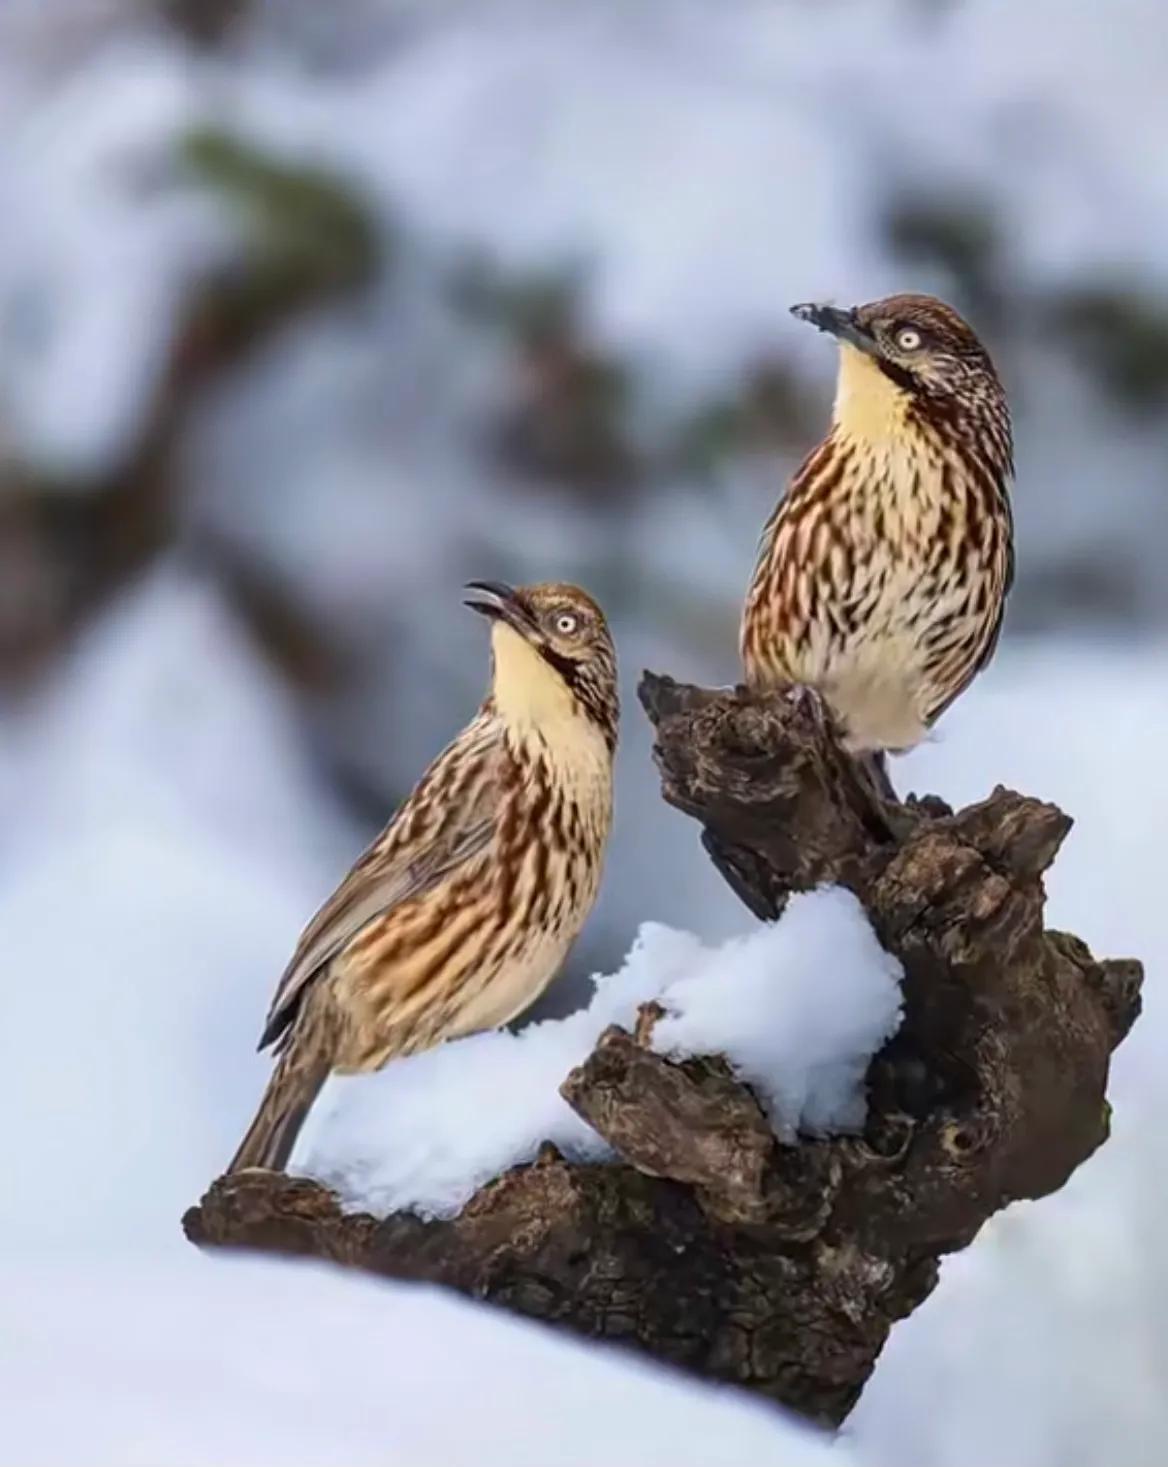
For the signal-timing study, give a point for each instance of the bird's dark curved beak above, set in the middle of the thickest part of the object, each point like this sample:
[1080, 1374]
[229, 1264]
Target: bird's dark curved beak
[840, 324]
[500, 602]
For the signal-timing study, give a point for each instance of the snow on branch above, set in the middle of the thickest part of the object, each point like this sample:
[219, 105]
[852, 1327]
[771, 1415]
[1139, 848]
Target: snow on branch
[718, 1193]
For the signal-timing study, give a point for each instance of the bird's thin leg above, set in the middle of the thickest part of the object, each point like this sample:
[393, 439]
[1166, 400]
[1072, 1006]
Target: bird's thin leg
[875, 766]
[871, 773]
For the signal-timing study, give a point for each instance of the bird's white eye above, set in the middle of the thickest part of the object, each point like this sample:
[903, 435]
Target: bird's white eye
[907, 339]
[565, 623]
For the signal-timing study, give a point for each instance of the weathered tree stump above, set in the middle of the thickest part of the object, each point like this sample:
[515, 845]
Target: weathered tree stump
[711, 1245]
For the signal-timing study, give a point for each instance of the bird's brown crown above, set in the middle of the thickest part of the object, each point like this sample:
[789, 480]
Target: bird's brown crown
[548, 601]
[940, 325]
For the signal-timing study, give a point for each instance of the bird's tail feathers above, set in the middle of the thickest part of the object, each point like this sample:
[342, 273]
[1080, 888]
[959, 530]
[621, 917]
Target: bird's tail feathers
[291, 1091]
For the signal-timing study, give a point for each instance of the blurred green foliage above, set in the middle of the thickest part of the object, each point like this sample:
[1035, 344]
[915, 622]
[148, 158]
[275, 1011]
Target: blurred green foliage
[1118, 333]
[767, 408]
[572, 402]
[308, 231]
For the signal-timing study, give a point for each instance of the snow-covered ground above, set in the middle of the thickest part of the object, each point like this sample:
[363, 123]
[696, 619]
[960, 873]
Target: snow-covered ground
[240, 1363]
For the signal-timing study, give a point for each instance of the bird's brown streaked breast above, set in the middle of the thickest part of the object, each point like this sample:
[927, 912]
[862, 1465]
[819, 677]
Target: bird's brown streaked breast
[478, 952]
[873, 580]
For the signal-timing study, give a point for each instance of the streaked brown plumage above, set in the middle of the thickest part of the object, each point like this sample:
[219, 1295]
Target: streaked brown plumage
[882, 574]
[461, 912]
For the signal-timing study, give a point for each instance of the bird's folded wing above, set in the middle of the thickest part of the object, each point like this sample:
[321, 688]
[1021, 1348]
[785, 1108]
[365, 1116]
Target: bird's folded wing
[386, 875]
[986, 651]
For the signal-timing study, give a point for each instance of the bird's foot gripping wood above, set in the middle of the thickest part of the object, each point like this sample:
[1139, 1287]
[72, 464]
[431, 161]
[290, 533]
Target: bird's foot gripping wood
[808, 701]
[781, 1268]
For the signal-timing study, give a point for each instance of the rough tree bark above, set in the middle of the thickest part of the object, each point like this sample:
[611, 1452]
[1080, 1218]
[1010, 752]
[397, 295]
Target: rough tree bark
[711, 1245]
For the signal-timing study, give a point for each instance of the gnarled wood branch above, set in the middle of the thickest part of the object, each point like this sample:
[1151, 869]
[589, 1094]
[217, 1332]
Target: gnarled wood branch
[712, 1245]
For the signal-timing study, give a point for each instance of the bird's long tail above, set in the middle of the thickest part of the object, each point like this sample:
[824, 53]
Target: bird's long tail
[300, 1072]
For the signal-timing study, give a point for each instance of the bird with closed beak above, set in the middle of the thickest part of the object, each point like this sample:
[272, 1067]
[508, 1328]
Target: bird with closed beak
[463, 909]
[882, 574]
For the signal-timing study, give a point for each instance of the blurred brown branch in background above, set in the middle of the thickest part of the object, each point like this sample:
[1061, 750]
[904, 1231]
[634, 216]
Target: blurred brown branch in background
[304, 239]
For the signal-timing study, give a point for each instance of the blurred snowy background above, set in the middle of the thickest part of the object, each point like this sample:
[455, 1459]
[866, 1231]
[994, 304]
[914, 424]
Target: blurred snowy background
[310, 312]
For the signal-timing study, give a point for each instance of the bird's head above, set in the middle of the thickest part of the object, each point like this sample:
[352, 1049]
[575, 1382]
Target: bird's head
[912, 358]
[553, 655]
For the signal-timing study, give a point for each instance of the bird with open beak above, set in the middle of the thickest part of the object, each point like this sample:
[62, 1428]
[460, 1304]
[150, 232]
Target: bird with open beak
[882, 573]
[463, 909]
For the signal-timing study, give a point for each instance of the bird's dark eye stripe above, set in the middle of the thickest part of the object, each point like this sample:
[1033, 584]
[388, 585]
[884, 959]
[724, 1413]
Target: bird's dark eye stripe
[567, 667]
[898, 374]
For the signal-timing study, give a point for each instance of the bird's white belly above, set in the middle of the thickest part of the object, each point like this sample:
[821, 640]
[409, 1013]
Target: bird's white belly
[876, 679]
[877, 689]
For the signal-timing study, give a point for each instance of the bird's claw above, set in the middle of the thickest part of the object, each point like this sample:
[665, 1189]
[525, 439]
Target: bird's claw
[809, 701]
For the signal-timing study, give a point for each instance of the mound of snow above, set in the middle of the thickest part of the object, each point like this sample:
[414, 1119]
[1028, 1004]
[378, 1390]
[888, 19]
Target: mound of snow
[798, 1007]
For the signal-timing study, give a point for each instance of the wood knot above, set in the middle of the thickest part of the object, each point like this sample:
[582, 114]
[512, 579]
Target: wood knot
[965, 1140]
